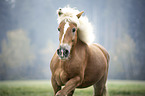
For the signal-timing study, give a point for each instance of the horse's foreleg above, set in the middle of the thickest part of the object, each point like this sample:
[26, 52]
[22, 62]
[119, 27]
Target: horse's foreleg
[69, 86]
[56, 88]
[71, 93]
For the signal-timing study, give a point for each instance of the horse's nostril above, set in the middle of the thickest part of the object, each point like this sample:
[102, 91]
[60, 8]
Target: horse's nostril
[66, 52]
[62, 53]
[59, 51]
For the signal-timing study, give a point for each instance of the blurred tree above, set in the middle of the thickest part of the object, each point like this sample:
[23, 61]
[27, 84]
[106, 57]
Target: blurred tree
[16, 52]
[119, 25]
[124, 64]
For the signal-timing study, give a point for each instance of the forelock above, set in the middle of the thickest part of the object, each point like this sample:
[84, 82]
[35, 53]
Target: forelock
[68, 14]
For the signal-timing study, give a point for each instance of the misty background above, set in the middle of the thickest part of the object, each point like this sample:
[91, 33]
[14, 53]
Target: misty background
[29, 37]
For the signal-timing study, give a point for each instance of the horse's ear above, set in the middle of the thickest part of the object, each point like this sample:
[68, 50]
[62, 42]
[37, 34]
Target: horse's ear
[79, 15]
[59, 12]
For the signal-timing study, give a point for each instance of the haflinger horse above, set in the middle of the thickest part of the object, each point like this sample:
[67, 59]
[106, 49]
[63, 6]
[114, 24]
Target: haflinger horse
[78, 63]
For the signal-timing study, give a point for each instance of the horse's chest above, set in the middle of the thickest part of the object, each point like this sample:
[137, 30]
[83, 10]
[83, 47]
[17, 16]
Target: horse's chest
[64, 71]
[60, 76]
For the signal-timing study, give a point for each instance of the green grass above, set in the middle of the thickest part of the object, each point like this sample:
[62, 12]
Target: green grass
[44, 88]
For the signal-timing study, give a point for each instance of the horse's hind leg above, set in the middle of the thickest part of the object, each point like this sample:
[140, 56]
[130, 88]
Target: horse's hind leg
[100, 91]
[71, 93]
[100, 87]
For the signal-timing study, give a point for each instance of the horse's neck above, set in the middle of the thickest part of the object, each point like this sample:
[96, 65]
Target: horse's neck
[80, 42]
[79, 46]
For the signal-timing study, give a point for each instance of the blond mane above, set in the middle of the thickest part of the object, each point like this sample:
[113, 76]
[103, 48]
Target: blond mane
[85, 32]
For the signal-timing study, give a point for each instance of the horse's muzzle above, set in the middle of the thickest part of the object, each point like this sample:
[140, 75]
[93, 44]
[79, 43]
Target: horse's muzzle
[63, 52]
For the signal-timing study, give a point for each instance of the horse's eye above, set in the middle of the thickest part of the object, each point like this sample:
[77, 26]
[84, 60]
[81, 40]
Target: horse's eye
[58, 29]
[73, 30]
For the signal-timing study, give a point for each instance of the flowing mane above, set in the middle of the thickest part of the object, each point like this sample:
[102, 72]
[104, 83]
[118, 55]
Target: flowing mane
[85, 28]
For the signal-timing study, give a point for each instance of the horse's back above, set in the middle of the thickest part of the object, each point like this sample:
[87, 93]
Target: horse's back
[101, 54]
[104, 51]
[98, 49]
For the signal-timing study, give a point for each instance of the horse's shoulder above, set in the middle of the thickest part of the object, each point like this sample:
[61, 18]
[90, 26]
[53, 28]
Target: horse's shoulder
[54, 60]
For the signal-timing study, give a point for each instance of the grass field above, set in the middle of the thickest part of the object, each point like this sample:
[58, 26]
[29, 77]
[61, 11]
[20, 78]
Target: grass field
[43, 88]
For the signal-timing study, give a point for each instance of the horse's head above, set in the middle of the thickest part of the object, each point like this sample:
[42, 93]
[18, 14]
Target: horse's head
[67, 35]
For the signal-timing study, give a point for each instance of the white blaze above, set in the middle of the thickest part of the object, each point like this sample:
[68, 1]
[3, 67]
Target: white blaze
[66, 26]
